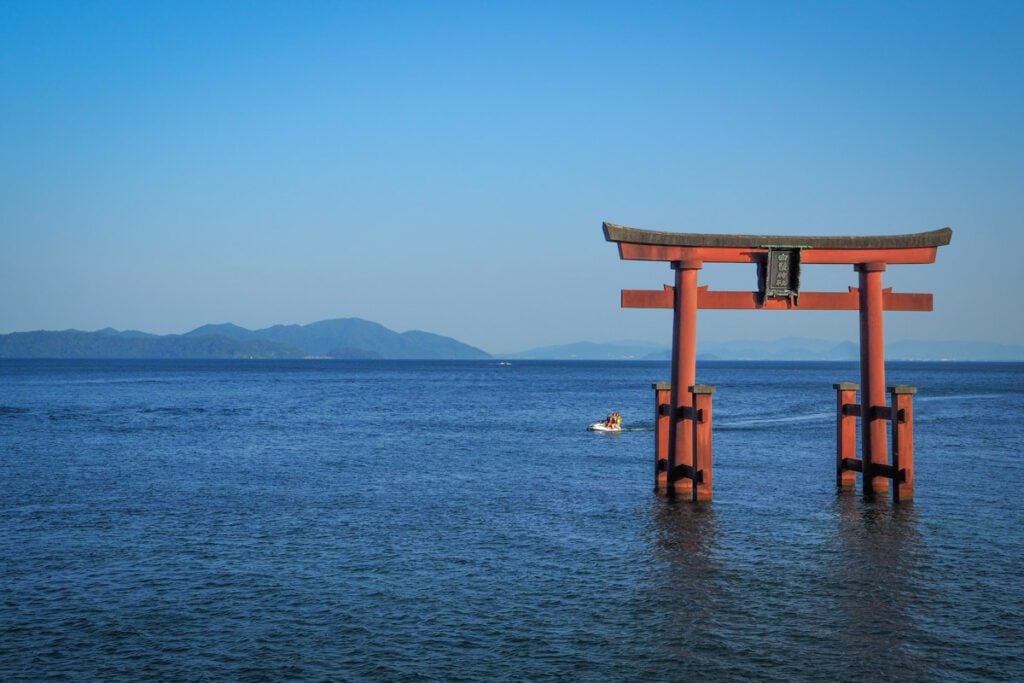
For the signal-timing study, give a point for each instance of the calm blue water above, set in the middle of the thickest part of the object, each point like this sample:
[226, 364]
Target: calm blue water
[455, 521]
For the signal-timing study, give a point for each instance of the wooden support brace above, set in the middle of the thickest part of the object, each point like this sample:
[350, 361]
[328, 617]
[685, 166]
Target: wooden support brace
[808, 301]
[902, 397]
[702, 445]
[887, 471]
[689, 413]
[881, 413]
[685, 472]
[697, 421]
[887, 413]
[662, 425]
[846, 432]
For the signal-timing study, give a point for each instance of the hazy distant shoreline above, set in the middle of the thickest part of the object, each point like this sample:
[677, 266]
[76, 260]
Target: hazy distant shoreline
[358, 339]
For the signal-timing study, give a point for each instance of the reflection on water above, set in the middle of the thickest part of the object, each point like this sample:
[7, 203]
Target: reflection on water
[877, 572]
[684, 533]
[685, 588]
[683, 542]
[733, 605]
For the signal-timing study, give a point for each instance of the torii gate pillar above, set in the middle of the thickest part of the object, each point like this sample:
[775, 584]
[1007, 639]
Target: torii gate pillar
[685, 468]
[684, 370]
[872, 374]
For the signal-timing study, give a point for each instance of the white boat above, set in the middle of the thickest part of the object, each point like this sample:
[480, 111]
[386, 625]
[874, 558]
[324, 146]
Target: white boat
[602, 427]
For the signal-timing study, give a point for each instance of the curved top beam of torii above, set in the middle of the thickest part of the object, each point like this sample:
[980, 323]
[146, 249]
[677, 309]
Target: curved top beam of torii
[653, 245]
[620, 233]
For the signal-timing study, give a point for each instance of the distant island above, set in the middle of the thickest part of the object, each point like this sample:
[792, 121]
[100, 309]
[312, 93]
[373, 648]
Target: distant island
[347, 338]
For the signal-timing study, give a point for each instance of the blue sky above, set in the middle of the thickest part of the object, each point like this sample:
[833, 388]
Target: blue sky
[447, 166]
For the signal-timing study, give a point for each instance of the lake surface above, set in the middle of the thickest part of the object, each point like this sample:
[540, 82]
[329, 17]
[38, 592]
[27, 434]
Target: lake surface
[335, 520]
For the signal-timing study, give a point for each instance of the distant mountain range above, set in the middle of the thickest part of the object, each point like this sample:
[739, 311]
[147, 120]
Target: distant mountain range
[790, 348]
[351, 338]
[354, 338]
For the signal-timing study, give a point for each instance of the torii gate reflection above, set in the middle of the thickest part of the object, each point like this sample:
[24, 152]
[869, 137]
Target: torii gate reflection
[683, 443]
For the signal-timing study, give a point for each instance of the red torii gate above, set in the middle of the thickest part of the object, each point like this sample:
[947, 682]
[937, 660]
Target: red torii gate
[683, 407]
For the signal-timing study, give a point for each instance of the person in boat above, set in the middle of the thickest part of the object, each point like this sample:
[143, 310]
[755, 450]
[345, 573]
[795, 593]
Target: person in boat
[609, 421]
